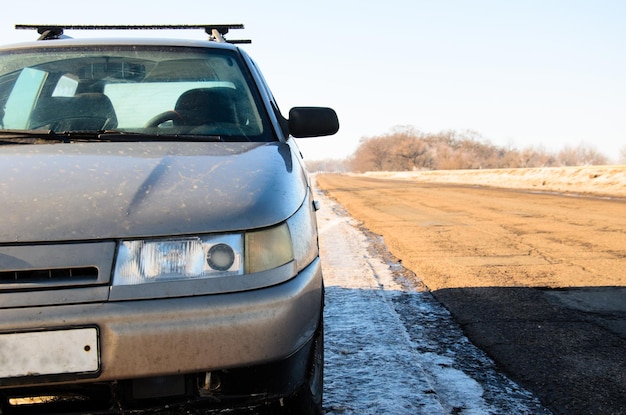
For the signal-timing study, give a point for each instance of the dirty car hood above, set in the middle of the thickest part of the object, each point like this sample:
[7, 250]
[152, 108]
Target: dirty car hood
[93, 191]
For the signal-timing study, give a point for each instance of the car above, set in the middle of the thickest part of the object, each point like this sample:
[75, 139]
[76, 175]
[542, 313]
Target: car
[158, 239]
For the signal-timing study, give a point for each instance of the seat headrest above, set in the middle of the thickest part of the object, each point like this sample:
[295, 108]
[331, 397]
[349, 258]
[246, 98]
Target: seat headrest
[90, 111]
[207, 105]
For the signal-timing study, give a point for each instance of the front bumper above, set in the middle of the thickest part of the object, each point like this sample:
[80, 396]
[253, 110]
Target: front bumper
[161, 337]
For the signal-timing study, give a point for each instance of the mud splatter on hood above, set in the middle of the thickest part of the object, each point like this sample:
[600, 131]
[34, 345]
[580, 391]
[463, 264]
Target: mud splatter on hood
[123, 190]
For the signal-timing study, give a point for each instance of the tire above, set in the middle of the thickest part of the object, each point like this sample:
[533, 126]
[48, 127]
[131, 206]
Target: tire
[308, 399]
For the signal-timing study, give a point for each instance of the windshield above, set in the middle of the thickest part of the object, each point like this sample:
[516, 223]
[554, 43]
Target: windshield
[166, 91]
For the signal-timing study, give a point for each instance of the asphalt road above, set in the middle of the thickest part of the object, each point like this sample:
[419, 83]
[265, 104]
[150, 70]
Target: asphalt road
[535, 280]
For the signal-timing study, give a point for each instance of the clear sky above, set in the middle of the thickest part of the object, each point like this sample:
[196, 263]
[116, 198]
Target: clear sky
[521, 73]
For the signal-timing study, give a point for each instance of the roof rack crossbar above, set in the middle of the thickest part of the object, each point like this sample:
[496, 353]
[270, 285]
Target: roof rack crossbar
[216, 32]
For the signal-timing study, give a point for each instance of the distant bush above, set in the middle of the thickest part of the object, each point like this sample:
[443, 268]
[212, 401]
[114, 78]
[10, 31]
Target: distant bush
[405, 148]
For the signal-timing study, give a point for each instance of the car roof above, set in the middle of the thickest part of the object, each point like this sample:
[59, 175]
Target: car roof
[119, 41]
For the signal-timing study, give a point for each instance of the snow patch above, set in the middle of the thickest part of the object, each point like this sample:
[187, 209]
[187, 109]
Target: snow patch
[594, 180]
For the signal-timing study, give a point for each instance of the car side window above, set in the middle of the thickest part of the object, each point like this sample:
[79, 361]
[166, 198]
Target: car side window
[23, 97]
[66, 87]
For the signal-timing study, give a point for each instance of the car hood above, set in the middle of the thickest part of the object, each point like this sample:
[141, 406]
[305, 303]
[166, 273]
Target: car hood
[88, 191]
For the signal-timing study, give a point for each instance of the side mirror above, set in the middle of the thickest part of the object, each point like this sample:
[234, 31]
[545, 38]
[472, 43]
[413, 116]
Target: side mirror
[312, 122]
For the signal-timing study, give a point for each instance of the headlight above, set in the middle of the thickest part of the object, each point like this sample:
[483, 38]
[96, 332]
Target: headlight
[304, 235]
[267, 249]
[181, 258]
[157, 260]
[221, 257]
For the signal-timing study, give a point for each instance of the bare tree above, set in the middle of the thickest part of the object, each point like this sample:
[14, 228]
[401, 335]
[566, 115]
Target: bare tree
[581, 155]
[372, 154]
[535, 157]
[405, 148]
[622, 156]
[415, 153]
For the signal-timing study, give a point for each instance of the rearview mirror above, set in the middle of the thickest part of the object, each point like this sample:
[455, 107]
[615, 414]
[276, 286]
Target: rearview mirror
[113, 70]
[312, 122]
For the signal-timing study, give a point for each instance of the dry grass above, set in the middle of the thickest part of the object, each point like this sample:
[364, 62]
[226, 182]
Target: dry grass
[595, 180]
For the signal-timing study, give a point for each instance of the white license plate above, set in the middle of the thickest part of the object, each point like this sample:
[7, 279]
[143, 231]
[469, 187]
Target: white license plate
[49, 352]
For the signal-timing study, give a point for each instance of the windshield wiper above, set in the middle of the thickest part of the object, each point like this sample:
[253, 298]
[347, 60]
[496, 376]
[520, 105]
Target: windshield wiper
[31, 136]
[130, 136]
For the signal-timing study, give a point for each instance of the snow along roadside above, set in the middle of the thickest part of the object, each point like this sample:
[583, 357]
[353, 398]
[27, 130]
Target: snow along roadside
[605, 181]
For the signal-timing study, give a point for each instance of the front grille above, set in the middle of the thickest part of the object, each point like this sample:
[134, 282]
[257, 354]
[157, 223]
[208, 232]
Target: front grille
[58, 273]
[49, 275]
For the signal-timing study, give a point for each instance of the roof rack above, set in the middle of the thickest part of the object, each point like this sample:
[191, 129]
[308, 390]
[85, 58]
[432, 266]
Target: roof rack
[216, 32]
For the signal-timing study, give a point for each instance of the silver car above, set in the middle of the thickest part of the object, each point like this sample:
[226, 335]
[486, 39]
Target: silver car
[158, 241]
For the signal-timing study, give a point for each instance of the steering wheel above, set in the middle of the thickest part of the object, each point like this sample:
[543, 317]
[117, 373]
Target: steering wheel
[163, 117]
